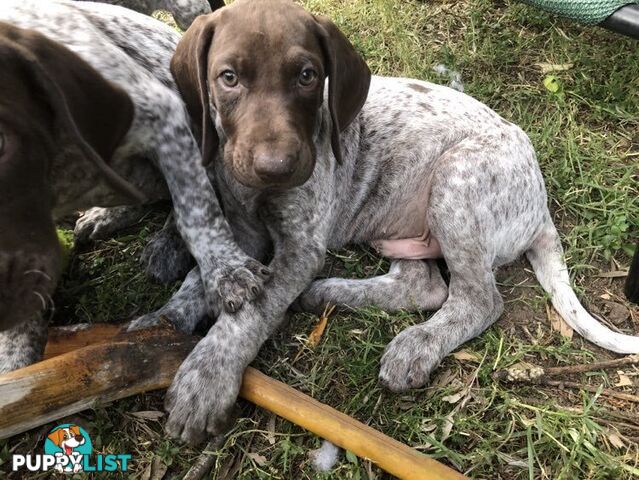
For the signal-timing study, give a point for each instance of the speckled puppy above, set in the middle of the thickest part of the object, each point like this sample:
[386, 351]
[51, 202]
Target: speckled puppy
[184, 11]
[419, 170]
[90, 115]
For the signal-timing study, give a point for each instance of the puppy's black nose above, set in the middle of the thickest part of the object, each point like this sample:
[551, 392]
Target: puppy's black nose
[274, 167]
[79, 438]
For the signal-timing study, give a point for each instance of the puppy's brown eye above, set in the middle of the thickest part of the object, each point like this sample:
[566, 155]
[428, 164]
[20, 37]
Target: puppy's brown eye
[307, 77]
[229, 78]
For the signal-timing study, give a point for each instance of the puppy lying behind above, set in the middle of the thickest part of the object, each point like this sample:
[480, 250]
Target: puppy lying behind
[421, 171]
[90, 115]
[183, 11]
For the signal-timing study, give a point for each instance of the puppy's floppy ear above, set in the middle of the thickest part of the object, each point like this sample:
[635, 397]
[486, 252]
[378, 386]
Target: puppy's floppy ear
[56, 436]
[348, 79]
[189, 67]
[75, 430]
[88, 110]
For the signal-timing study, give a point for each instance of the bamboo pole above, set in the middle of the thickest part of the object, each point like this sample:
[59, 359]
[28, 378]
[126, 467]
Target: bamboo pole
[101, 364]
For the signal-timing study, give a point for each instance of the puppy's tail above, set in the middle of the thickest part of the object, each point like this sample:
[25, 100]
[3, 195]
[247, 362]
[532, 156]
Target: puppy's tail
[546, 258]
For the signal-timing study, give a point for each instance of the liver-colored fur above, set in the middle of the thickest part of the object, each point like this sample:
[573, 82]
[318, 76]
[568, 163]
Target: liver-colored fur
[90, 116]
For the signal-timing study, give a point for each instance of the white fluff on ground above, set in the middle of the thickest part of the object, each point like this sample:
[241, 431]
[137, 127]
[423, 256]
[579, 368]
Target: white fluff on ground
[325, 457]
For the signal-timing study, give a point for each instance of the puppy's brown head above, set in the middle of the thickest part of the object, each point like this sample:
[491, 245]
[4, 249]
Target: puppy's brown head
[264, 64]
[51, 101]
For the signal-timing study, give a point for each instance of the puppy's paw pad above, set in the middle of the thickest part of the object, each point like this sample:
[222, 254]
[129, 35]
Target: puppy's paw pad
[234, 286]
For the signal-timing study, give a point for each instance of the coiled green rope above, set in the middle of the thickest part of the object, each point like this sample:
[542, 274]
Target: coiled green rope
[584, 11]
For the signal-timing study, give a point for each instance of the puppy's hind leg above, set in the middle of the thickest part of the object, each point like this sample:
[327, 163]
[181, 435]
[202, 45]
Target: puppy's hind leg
[166, 258]
[411, 285]
[23, 345]
[186, 308]
[463, 216]
[473, 305]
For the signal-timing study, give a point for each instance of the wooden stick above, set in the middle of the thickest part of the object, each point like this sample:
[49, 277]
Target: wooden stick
[125, 364]
[628, 397]
[570, 369]
[532, 373]
[342, 430]
[204, 463]
[93, 375]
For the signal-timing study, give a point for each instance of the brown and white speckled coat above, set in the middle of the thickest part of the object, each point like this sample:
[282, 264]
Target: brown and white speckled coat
[426, 172]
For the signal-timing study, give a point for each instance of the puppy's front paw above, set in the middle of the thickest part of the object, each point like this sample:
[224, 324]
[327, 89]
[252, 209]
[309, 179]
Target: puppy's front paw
[233, 285]
[201, 399]
[409, 359]
[100, 223]
[183, 317]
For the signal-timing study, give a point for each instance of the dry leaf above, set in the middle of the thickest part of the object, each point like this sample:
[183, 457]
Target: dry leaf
[448, 426]
[553, 67]
[316, 335]
[615, 440]
[605, 296]
[428, 427]
[155, 471]
[557, 323]
[270, 430]
[465, 355]
[624, 380]
[454, 398]
[148, 414]
[257, 458]
[615, 274]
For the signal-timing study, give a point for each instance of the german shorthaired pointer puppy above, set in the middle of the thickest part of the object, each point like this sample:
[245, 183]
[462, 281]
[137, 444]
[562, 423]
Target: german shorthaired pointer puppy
[421, 171]
[183, 11]
[90, 115]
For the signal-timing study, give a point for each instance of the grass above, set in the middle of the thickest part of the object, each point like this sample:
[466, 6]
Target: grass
[586, 132]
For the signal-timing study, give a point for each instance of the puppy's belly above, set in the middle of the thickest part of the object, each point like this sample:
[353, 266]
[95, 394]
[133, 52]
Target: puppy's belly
[416, 248]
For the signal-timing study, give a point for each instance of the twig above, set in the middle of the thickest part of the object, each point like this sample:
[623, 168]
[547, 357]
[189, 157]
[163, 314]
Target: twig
[589, 388]
[534, 373]
[627, 417]
[205, 461]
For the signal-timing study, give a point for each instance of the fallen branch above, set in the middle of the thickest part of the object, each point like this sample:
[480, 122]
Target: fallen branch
[628, 397]
[204, 463]
[532, 373]
[125, 364]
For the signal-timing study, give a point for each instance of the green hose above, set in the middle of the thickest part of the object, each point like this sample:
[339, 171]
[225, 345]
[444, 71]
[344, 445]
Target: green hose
[584, 11]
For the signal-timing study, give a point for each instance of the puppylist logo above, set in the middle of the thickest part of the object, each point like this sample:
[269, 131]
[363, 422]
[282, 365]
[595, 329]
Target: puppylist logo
[68, 449]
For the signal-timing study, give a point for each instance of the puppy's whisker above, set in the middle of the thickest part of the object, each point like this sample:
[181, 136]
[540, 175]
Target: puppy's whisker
[51, 306]
[38, 272]
[44, 303]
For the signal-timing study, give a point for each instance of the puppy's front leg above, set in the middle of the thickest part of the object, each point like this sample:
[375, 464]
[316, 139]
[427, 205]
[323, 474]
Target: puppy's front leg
[23, 344]
[229, 275]
[202, 396]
